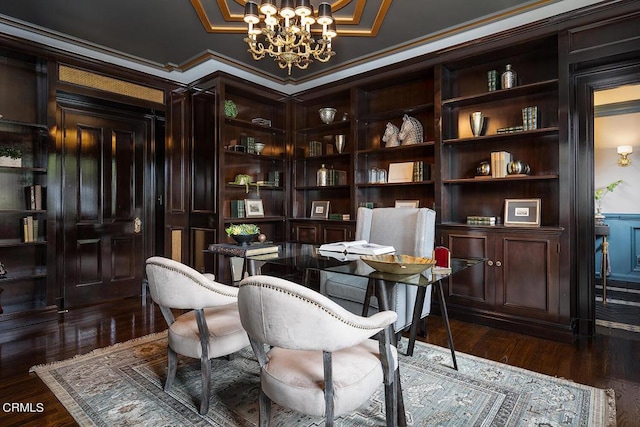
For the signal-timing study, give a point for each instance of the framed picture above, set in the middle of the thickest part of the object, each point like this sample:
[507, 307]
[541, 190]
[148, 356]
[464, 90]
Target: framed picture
[400, 172]
[253, 207]
[522, 212]
[320, 209]
[407, 203]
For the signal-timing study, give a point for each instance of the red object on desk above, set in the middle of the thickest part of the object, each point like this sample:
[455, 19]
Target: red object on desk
[442, 256]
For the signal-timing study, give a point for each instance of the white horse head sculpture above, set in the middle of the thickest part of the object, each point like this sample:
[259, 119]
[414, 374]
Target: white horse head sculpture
[411, 131]
[390, 137]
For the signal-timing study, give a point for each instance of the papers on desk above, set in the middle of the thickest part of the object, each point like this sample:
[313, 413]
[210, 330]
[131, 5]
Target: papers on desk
[360, 247]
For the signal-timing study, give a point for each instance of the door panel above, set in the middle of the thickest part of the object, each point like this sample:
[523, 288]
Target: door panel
[472, 286]
[102, 198]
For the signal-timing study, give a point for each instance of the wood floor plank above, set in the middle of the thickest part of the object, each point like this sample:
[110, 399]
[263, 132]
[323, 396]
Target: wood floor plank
[608, 360]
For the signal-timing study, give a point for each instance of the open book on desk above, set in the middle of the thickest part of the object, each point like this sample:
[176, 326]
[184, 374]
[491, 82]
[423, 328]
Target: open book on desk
[340, 256]
[360, 247]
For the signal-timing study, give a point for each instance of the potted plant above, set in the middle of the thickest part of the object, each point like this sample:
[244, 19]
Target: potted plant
[599, 195]
[243, 233]
[10, 156]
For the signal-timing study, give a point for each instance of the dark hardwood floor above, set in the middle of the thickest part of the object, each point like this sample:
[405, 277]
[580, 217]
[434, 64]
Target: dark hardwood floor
[609, 360]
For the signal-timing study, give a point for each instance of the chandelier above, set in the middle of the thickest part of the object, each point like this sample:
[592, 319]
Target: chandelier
[287, 32]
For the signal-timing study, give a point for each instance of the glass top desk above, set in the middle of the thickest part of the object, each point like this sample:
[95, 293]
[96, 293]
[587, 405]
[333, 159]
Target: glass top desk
[302, 258]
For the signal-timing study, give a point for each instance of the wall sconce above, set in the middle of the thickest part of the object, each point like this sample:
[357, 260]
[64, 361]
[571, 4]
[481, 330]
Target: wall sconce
[623, 152]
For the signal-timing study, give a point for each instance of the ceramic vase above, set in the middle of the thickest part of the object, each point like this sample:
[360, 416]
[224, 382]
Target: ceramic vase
[477, 123]
[340, 142]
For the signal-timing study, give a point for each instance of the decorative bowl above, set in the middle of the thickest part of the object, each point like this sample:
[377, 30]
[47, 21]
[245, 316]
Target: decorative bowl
[259, 147]
[244, 239]
[398, 264]
[327, 114]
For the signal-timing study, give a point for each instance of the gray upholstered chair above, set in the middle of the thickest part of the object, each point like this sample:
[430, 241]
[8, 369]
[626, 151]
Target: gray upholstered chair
[322, 361]
[411, 231]
[210, 329]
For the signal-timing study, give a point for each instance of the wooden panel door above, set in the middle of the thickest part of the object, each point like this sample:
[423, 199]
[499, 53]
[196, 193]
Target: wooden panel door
[527, 275]
[472, 287]
[102, 204]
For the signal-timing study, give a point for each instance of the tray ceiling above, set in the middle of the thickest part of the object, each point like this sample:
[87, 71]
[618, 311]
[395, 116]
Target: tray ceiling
[186, 40]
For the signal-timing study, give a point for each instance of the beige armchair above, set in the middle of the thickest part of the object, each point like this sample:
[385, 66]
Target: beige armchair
[411, 231]
[210, 329]
[322, 361]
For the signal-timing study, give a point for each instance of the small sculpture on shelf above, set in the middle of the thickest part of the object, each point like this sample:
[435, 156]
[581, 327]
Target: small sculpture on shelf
[411, 131]
[390, 137]
[3, 271]
[518, 167]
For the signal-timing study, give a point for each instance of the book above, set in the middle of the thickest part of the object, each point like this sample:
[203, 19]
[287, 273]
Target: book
[231, 249]
[361, 247]
[33, 197]
[340, 256]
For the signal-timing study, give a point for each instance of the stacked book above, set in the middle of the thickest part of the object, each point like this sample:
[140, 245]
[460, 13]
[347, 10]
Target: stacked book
[421, 171]
[315, 148]
[340, 217]
[499, 162]
[336, 177]
[481, 220]
[237, 209]
[510, 129]
[530, 118]
[273, 177]
[33, 197]
[249, 144]
[251, 250]
[492, 80]
[29, 229]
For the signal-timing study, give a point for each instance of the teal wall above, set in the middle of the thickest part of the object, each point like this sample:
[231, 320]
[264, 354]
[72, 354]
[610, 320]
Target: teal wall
[624, 247]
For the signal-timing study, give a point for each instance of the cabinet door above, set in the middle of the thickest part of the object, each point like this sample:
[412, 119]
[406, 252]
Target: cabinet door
[472, 287]
[336, 233]
[526, 275]
[305, 233]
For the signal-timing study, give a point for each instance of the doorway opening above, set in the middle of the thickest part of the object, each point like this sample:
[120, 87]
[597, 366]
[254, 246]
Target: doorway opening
[616, 135]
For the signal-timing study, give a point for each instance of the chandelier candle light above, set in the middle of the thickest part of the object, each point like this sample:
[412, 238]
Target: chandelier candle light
[287, 32]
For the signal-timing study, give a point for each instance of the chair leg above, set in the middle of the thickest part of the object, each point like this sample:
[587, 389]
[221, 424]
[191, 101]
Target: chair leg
[205, 372]
[402, 416]
[172, 366]
[264, 405]
[391, 404]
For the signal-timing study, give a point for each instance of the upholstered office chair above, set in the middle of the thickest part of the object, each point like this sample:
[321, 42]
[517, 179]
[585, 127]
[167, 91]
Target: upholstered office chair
[321, 362]
[411, 231]
[209, 330]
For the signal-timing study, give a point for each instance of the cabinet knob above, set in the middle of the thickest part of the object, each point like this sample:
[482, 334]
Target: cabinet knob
[498, 264]
[490, 263]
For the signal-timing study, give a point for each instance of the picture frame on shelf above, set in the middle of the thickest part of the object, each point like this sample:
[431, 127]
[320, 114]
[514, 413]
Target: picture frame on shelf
[407, 204]
[253, 208]
[320, 209]
[400, 172]
[522, 212]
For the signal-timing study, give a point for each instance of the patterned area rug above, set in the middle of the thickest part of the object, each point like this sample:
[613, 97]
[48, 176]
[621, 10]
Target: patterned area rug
[122, 385]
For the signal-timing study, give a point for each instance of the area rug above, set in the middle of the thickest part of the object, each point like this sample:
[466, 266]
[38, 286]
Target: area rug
[122, 385]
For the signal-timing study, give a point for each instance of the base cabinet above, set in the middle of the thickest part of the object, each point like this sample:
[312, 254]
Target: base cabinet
[316, 232]
[518, 285]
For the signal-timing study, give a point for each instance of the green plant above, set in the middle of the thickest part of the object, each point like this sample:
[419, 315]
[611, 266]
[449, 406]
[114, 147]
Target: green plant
[236, 229]
[601, 192]
[12, 152]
